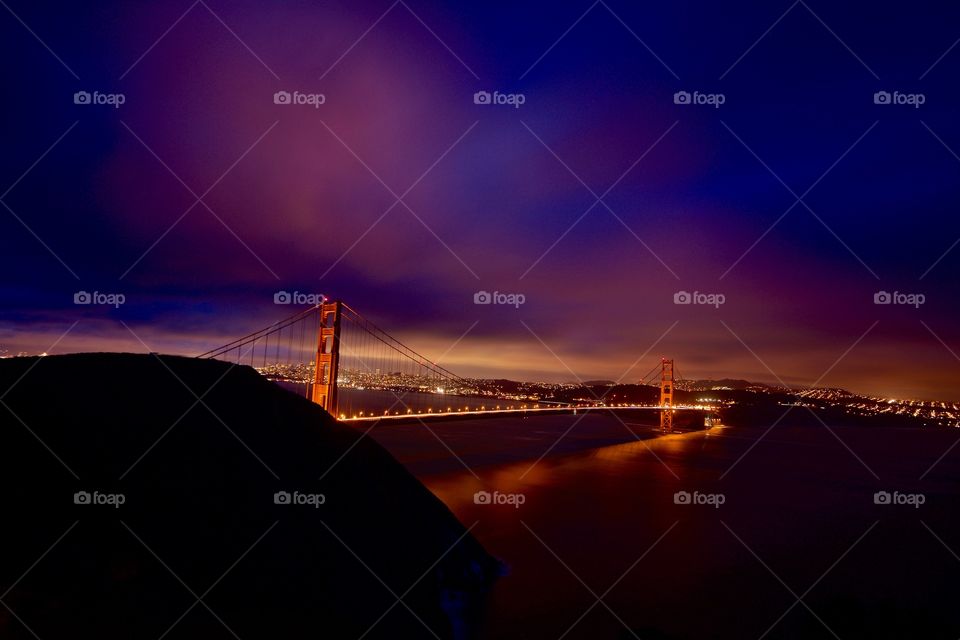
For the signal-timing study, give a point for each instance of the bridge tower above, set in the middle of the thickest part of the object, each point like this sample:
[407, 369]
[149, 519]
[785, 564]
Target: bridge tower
[323, 391]
[666, 394]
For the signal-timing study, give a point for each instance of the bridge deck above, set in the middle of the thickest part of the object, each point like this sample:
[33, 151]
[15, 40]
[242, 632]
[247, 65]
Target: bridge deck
[515, 412]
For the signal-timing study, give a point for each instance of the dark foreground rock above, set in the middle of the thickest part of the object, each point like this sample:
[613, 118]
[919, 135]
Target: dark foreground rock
[202, 456]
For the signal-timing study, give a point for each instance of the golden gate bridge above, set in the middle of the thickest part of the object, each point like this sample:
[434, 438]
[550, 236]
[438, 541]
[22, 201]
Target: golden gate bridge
[358, 372]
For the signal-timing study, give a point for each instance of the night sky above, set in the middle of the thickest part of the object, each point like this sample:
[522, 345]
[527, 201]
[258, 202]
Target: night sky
[598, 199]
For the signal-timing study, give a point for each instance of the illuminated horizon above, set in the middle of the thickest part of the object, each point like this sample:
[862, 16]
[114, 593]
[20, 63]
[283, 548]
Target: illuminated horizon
[751, 238]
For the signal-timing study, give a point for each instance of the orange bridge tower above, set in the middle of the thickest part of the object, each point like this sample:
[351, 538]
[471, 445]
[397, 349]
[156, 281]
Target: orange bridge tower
[666, 395]
[324, 388]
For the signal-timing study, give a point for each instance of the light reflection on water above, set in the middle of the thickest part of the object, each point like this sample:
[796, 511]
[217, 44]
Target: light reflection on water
[534, 477]
[576, 503]
[799, 499]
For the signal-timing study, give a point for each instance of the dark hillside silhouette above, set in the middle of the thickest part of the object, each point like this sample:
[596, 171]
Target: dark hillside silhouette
[198, 480]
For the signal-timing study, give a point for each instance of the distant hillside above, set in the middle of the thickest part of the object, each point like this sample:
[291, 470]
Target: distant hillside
[198, 479]
[730, 383]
